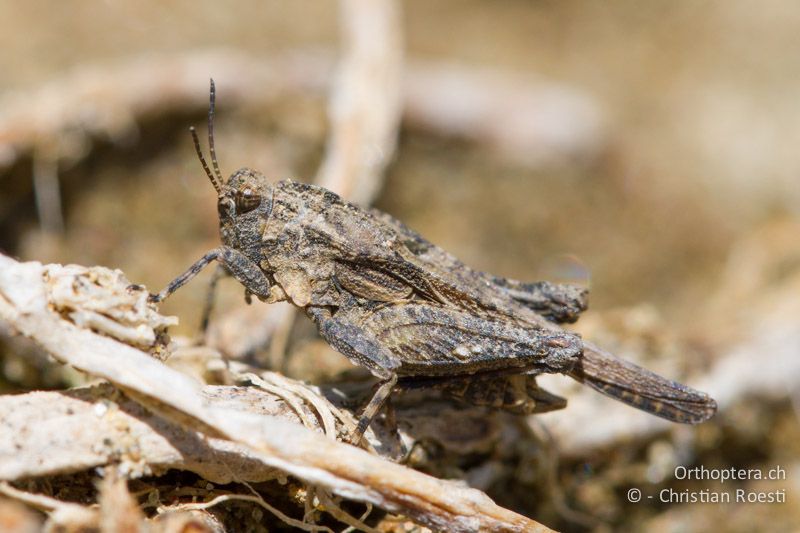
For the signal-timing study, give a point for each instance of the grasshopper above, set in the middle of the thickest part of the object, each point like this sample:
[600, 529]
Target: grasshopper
[408, 311]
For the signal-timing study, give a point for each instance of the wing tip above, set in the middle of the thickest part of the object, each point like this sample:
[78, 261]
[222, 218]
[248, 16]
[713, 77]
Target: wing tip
[705, 412]
[666, 399]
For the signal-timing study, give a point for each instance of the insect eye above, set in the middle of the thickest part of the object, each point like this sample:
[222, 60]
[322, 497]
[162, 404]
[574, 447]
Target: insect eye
[247, 200]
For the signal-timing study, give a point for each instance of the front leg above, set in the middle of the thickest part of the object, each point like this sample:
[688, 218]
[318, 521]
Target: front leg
[239, 265]
[360, 347]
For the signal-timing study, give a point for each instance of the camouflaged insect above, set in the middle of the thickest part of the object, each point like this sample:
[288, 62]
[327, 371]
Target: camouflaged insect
[410, 312]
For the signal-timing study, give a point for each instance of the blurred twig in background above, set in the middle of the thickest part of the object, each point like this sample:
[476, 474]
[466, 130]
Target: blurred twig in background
[366, 100]
[48, 195]
[107, 102]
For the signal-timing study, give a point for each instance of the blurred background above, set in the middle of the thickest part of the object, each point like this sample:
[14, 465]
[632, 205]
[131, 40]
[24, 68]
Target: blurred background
[647, 150]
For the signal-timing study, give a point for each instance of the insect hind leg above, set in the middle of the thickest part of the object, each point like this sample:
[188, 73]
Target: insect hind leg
[515, 393]
[554, 301]
[363, 349]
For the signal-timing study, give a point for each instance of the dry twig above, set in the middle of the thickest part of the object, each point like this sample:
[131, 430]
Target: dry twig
[366, 100]
[25, 304]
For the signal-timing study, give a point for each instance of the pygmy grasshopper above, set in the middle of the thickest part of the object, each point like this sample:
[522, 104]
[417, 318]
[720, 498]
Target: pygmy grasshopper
[407, 310]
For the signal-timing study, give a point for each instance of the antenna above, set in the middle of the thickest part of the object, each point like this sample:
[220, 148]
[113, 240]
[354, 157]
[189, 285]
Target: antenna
[203, 160]
[211, 132]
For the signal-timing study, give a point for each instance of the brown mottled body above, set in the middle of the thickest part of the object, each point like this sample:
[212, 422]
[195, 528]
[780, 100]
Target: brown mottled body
[409, 311]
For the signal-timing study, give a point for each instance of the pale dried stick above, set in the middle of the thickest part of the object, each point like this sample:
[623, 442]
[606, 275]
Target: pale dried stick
[366, 100]
[47, 191]
[323, 408]
[60, 512]
[119, 511]
[361, 518]
[246, 498]
[333, 508]
[286, 396]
